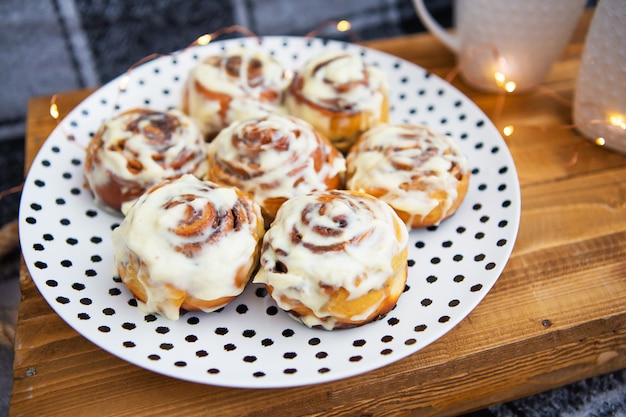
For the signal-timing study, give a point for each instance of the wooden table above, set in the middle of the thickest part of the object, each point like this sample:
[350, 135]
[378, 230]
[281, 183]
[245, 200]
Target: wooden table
[556, 315]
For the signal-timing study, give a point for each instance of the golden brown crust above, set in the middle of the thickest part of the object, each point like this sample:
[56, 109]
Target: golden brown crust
[115, 191]
[238, 158]
[343, 311]
[133, 277]
[213, 226]
[160, 131]
[436, 215]
[333, 233]
[403, 171]
[341, 127]
[249, 83]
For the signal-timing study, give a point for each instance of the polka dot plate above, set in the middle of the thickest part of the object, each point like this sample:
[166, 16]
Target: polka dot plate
[250, 343]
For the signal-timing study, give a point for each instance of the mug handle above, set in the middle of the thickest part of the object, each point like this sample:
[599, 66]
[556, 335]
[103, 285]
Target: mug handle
[452, 42]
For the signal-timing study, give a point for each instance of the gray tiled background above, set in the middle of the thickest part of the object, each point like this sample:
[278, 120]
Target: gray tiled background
[47, 46]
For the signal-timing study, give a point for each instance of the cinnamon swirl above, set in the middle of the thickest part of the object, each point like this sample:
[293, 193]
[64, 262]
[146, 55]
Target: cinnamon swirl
[421, 173]
[274, 158]
[137, 149]
[340, 95]
[335, 259]
[188, 244]
[236, 85]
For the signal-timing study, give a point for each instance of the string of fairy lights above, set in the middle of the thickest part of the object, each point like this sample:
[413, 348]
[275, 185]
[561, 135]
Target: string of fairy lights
[509, 86]
[502, 82]
[503, 85]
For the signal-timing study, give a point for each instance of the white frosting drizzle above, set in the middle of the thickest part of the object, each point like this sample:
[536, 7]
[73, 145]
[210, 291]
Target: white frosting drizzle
[208, 274]
[158, 158]
[426, 158]
[246, 100]
[270, 170]
[338, 79]
[364, 224]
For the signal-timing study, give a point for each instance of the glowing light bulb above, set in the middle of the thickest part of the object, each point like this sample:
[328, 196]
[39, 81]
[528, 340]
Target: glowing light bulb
[500, 78]
[618, 121]
[204, 39]
[600, 141]
[124, 82]
[343, 26]
[54, 111]
[510, 86]
[508, 130]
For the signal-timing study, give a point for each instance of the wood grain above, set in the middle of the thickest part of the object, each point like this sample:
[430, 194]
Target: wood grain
[556, 315]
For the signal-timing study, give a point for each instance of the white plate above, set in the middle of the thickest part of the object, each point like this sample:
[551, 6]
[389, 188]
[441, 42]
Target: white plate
[250, 344]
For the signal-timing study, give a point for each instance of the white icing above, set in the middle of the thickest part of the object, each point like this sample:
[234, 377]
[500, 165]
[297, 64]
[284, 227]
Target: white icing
[363, 265]
[246, 100]
[320, 81]
[209, 274]
[269, 169]
[137, 146]
[370, 166]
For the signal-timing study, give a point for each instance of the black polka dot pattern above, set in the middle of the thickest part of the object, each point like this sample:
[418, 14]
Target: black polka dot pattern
[252, 343]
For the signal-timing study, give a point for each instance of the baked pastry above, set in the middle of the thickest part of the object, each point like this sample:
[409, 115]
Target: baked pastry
[421, 173]
[340, 96]
[274, 158]
[236, 85]
[188, 244]
[137, 149]
[335, 259]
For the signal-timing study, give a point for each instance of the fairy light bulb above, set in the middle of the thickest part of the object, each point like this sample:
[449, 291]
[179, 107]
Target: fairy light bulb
[500, 78]
[54, 111]
[343, 26]
[600, 141]
[617, 120]
[204, 39]
[124, 82]
[510, 86]
[508, 130]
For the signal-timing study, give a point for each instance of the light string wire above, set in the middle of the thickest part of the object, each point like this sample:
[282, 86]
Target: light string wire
[341, 26]
[505, 86]
[205, 39]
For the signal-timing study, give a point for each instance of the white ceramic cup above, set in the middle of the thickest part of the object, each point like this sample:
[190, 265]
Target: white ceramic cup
[600, 96]
[509, 44]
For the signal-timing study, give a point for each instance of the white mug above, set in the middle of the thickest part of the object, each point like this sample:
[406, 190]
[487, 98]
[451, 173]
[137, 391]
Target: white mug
[510, 44]
[600, 96]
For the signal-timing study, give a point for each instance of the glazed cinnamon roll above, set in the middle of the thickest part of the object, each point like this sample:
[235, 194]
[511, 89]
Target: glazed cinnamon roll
[137, 149]
[274, 158]
[339, 95]
[236, 85]
[421, 173]
[188, 244]
[335, 259]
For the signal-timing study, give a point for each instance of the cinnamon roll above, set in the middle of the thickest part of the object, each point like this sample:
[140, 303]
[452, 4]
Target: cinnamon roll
[421, 173]
[137, 149]
[188, 244]
[340, 95]
[335, 259]
[274, 158]
[236, 85]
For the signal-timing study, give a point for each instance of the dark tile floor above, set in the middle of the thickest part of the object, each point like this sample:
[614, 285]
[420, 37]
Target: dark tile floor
[9, 300]
[12, 167]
